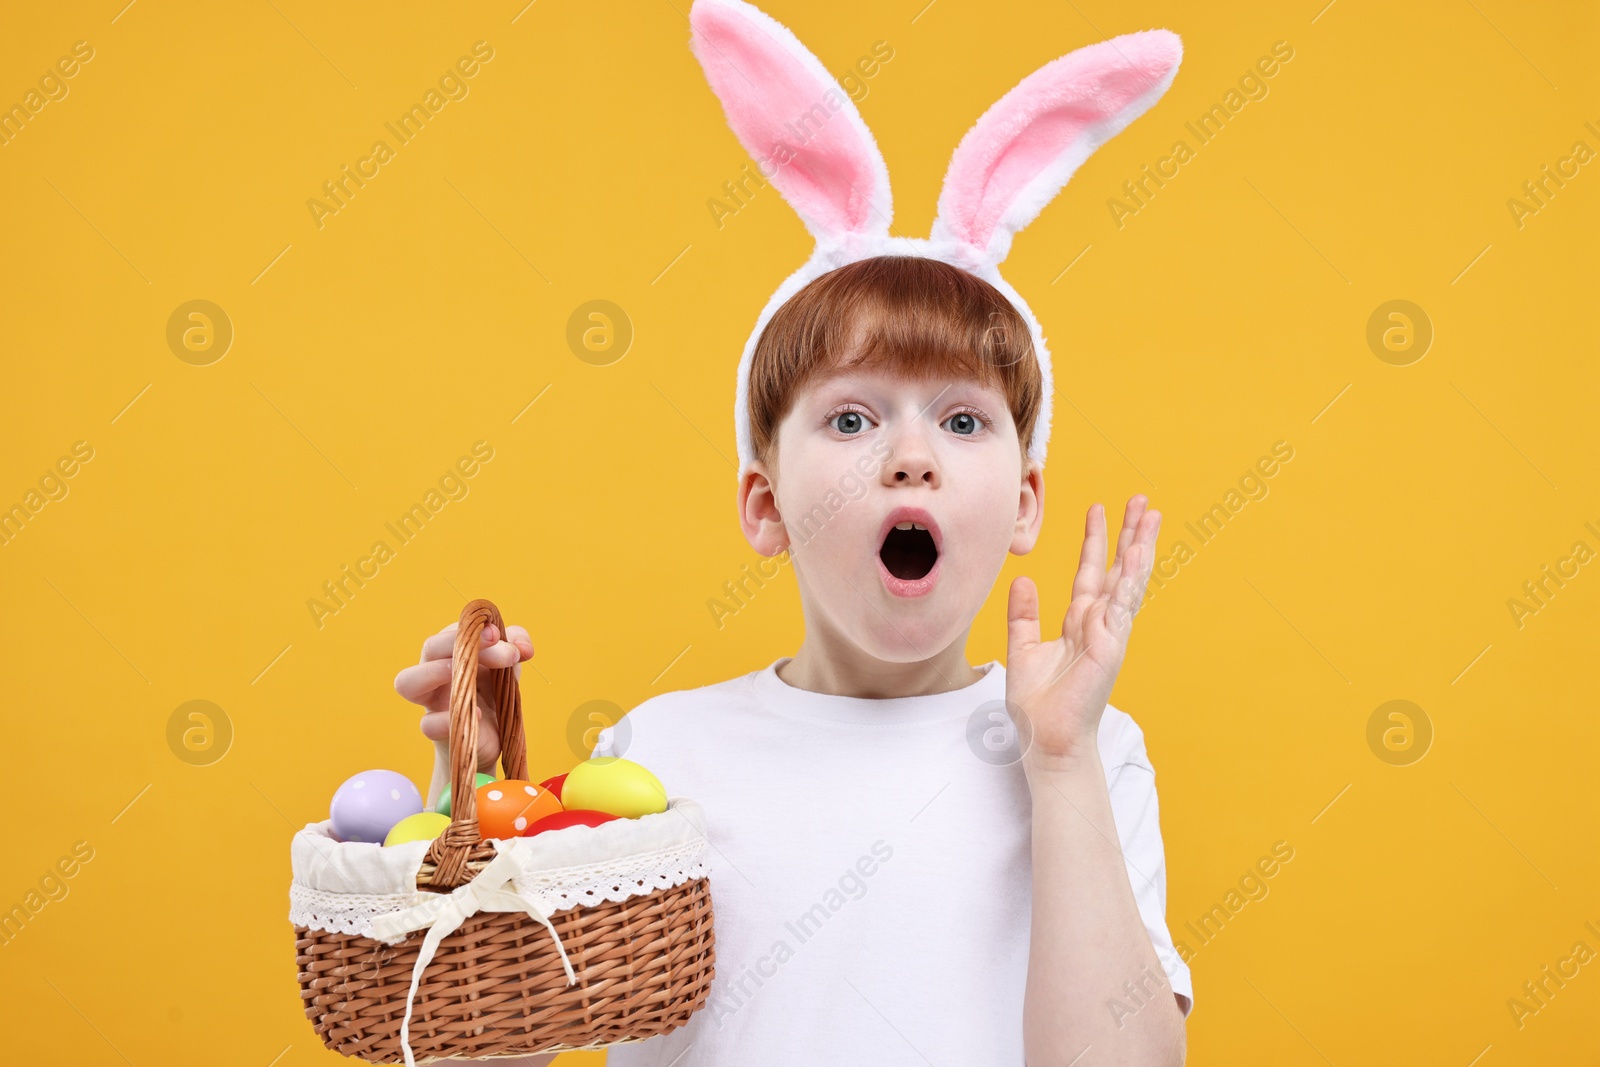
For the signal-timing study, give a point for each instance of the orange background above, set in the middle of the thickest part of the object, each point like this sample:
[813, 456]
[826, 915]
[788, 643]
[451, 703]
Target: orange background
[431, 311]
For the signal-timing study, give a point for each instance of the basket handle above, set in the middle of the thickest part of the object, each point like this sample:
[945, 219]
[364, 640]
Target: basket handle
[451, 849]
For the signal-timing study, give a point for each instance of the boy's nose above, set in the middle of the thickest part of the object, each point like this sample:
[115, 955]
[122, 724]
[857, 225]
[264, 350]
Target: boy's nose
[911, 463]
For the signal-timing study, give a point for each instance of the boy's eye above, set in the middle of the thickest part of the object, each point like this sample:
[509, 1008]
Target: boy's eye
[849, 422]
[962, 423]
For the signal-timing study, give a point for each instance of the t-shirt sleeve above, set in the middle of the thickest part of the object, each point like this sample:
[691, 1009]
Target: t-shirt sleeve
[1132, 784]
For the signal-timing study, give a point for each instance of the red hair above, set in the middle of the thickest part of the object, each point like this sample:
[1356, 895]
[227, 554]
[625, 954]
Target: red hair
[911, 314]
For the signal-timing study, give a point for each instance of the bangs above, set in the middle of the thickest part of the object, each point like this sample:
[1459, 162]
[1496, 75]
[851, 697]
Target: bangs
[920, 337]
[909, 316]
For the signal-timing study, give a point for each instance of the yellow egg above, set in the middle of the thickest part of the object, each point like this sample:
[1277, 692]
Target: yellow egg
[613, 785]
[423, 826]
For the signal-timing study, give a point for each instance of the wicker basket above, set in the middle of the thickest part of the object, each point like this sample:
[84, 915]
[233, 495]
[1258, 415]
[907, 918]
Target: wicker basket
[538, 956]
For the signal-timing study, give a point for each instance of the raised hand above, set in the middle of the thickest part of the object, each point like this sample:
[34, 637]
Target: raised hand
[1061, 687]
[428, 684]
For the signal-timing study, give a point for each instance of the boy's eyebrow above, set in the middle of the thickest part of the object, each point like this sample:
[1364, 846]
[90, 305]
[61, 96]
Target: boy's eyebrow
[853, 367]
[997, 405]
[823, 377]
[832, 374]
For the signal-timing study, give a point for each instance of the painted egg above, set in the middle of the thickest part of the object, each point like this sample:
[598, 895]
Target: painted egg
[423, 826]
[614, 785]
[366, 807]
[570, 817]
[444, 795]
[554, 785]
[508, 806]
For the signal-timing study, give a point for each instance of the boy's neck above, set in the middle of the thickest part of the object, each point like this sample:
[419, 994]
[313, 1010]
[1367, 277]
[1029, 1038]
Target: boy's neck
[839, 668]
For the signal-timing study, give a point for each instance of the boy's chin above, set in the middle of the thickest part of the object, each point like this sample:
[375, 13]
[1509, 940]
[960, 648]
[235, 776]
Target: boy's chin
[906, 640]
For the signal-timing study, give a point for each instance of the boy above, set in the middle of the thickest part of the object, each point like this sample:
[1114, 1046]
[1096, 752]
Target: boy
[898, 877]
[914, 860]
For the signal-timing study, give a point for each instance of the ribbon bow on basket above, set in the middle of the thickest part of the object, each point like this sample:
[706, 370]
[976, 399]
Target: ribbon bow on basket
[491, 890]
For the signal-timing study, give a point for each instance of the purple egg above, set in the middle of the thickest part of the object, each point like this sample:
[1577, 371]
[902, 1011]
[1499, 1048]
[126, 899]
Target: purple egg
[366, 807]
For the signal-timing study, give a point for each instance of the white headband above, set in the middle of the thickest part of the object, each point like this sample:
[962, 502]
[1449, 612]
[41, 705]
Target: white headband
[1011, 163]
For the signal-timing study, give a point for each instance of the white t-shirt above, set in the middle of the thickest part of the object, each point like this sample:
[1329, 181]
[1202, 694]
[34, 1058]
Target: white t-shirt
[871, 870]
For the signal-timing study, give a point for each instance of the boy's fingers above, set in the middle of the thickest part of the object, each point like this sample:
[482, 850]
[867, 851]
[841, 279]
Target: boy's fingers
[441, 644]
[423, 683]
[1092, 561]
[1128, 595]
[1022, 616]
[518, 635]
[1130, 523]
[419, 683]
[1125, 596]
[1148, 535]
[1150, 526]
[501, 654]
[436, 726]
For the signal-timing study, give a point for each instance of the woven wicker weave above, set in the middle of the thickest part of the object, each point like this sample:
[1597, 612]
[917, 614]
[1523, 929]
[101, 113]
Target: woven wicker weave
[496, 986]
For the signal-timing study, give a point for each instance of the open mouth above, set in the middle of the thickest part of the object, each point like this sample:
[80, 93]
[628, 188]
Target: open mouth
[909, 551]
[910, 545]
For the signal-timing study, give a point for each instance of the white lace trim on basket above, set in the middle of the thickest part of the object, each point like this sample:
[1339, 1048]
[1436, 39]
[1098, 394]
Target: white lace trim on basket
[554, 890]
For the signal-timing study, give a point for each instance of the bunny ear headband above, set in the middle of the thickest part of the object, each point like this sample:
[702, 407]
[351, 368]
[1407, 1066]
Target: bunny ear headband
[787, 110]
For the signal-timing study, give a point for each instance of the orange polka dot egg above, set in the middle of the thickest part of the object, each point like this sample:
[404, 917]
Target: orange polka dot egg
[508, 806]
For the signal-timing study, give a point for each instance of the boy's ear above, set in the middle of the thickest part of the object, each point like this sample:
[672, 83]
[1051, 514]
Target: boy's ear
[1030, 511]
[758, 511]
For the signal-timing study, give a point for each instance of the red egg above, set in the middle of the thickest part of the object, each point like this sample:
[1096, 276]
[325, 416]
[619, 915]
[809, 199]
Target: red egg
[570, 817]
[554, 784]
[508, 807]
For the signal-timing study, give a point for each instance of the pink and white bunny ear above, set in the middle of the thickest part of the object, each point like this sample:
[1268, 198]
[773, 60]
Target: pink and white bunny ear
[791, 115]
[1019, 154]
